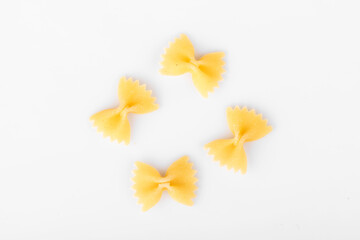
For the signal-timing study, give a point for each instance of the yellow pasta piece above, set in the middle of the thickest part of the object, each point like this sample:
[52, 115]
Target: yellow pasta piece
[179, 58]
[179, 181]
[246, 126]
[133, 98]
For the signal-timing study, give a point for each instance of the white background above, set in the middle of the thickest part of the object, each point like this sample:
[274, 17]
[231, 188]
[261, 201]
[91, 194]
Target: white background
[296, 62]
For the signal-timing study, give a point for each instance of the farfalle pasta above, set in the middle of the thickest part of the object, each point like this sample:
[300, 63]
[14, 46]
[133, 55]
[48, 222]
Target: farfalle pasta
[179, 181]
[179, 58]
[133, 98]
[246, 126]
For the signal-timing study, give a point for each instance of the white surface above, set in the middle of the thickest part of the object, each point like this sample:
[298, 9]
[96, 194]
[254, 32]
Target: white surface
[296, 62]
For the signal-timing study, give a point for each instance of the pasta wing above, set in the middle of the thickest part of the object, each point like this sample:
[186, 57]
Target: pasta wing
[228, 154]
[135, 98]
[177, 58]
[146, 185]
[182, 184]
[247, 124]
